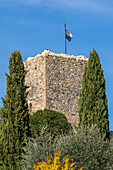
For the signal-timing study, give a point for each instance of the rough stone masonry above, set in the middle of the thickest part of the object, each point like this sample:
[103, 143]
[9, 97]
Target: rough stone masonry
[54, 82]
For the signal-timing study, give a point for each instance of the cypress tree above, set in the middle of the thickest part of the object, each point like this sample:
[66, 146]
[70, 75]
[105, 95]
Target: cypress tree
[14, 117]
[92, 105]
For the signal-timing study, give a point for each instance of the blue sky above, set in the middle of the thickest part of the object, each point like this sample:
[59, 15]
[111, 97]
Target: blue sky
[32, 26]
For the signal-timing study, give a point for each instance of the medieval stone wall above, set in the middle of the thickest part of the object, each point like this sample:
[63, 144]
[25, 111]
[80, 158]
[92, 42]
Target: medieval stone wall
[55, 82]
[35, 79]
[63, 83]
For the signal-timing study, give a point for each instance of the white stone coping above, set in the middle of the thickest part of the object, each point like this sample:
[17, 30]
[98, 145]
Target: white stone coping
[47, 52]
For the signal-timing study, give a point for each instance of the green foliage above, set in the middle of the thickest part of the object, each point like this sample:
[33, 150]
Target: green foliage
[0, 114]
[111, 149]
[55, 122]
[85, 147]
[14, 117]
[92, 106]
[0, 110]
[36, 150]
[0, 135]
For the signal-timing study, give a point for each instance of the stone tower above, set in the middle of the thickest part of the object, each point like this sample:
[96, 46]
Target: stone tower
[54, 82]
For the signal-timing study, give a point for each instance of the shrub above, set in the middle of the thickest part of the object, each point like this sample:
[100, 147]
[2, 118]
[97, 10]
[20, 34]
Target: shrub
[111, 149]
[36, 150]
[54, 163]
[85, 147]
[55, 122]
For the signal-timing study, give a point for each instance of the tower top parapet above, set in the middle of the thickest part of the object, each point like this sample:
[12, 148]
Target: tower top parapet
[48, 52]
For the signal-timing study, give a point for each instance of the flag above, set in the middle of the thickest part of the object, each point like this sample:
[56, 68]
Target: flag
[68, 35]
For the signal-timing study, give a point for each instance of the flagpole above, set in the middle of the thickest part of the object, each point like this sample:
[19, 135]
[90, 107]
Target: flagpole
[65, 39]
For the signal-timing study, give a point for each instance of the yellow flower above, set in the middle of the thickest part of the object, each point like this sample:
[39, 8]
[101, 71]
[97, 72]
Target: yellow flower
[53, 163]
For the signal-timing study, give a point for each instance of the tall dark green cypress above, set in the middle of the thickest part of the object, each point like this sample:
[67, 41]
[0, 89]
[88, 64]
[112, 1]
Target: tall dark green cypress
[14, 117]
[92, 106]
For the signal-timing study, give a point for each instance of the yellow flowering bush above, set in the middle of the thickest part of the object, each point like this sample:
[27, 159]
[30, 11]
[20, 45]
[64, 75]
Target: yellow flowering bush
[53, 163]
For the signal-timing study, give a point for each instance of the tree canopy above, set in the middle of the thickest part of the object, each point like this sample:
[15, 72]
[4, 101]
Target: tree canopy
[14, 117]
[92, 106]
[53, 121]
